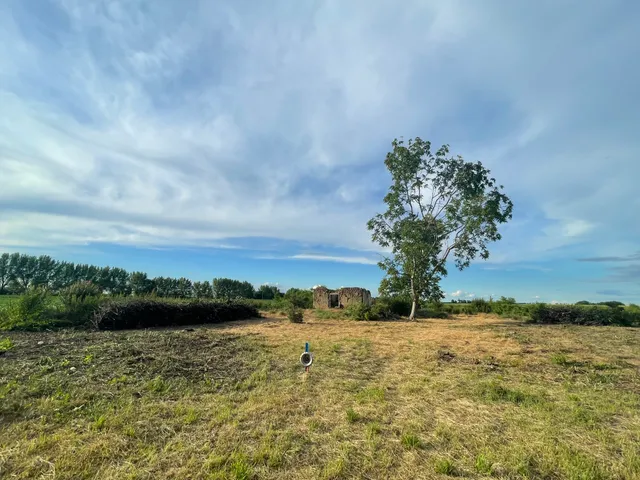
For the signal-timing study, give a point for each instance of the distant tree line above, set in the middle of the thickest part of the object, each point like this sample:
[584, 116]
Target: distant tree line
[611, 303]
[19, 272]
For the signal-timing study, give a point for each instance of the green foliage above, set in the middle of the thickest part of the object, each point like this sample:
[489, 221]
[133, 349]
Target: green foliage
[31, 311]
[173, 287]
[360, 311]
[147, 313]
[295, 314]
[229, 289]
[583, 315]
[483, 464]
[504, 306]
[496, 392]
[299, 297]
[5, 345]
[80, 291]
[583, 302]
[396, 305]
[410, 440]
[20, 272]
[381, 311]
[352, 415]
[433, 310]
[80, 301]
[267, 292]
[202, 289]
[140, 284]
[480, 305]
[560, 359]
[612, 304]
[444, 466]
[436, 206]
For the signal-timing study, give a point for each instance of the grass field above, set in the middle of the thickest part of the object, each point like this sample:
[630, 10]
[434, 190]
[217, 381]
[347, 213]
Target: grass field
[4, 299]
[474, 397]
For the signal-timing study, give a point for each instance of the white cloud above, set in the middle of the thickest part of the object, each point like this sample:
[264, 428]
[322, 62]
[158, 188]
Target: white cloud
[191, 126]
[457, 293]
[332, 258]
[470, 295]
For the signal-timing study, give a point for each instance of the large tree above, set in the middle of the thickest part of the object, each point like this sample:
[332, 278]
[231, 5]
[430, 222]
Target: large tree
[438, 207]
[140, 283]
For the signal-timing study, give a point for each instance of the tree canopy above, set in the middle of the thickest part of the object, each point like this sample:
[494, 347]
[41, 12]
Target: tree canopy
[438, 207]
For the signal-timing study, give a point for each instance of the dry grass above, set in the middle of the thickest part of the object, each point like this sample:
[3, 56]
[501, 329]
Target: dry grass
[475, 397]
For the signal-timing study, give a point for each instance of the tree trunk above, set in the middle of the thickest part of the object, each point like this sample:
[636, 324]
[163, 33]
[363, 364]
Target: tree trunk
[414, 301]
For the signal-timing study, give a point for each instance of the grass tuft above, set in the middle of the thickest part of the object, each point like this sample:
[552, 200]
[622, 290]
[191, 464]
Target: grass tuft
[409, 440]
[483, 464]
[5, 345]
[444, 466]
[352, 415]
[496, 392]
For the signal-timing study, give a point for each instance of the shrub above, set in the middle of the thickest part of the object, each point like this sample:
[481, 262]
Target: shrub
[381, 311]
[300, 298]
[434, 310]
[145, 313]
[31, 311]
[360, 311]
[395, 305]
[583, 315]
[80, 301]
[295, 314]
[480, 305]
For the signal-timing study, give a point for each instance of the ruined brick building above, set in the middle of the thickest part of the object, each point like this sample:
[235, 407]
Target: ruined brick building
[343, 297]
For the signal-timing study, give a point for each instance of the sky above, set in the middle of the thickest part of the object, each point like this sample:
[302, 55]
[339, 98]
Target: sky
[247, 139]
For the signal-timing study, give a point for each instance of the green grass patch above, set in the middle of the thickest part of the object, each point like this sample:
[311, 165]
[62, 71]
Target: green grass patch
[495, 391]
[5, 345]
[410, 440]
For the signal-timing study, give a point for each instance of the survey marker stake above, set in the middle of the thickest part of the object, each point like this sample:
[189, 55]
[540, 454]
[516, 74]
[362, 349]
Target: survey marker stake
[306, 359]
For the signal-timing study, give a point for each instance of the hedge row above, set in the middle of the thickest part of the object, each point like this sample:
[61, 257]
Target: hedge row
[146, 313]
[580, 315]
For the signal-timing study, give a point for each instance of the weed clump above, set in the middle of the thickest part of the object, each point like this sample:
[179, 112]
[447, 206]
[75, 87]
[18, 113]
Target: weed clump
[31, 311]
[352, 415]
[5, 345]
[410, 440]
[294, 313]
[444, 466]
[80, 301]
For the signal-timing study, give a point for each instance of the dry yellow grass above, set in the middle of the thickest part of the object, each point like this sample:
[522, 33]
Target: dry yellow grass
[477, 397]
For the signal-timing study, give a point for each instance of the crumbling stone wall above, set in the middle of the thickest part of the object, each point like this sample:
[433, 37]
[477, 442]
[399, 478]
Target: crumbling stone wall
[321, 297]
[354, 295]
[346, 296]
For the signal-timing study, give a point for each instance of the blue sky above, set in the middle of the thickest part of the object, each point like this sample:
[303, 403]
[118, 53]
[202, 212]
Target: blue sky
[247, 139]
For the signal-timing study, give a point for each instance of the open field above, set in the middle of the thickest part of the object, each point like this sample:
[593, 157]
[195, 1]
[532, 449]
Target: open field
[4, 299]
[477, 397]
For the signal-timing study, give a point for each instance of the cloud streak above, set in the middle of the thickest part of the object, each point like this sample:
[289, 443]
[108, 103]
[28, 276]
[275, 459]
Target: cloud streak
[627, 258]
[201, 123]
